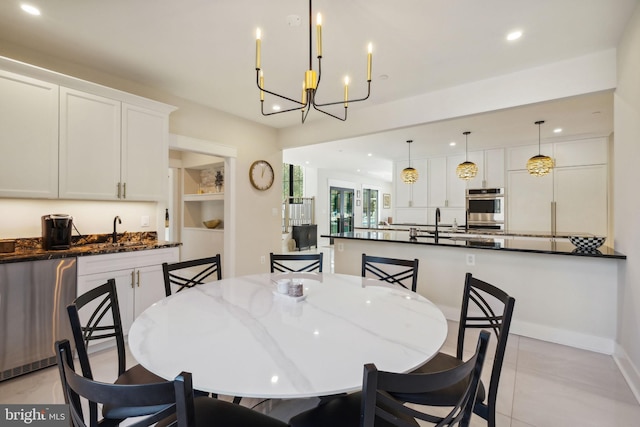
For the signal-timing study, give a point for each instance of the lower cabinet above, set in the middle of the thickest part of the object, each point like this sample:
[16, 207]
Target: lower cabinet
[138, 276]
[305, 235]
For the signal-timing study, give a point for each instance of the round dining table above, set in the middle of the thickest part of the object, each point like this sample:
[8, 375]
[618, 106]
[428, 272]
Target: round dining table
[240, 337]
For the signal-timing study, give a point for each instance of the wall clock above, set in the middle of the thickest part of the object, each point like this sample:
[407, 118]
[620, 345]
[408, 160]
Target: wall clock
[261, 175]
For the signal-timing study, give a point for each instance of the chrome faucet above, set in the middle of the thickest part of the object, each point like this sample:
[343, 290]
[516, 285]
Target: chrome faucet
[114, 236]
[437, 221]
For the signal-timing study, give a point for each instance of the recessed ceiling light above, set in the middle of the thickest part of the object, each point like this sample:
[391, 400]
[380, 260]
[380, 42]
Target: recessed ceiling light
[31, 10]
[357, 170]
[369, 154]
[452, 144]
[307, 162]
[557, 130]
[514, 35]
[276, 108]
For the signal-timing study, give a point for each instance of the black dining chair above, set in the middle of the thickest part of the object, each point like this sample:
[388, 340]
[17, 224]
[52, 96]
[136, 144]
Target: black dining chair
[400, 272]
[483, 306]
[288, 263]
[100, 308]
[168, 403]
[187, 274]
[377, 405]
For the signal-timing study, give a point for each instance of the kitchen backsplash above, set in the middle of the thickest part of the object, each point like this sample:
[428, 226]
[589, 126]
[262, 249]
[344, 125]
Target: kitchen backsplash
[21, 217]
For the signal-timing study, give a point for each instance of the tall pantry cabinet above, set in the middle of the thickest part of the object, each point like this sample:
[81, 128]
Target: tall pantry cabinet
[572, 198]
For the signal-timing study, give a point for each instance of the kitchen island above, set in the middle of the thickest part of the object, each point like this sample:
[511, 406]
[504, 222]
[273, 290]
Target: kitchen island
[562, 295]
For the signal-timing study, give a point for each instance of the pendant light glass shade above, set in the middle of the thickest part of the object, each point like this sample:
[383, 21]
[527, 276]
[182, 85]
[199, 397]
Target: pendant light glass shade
[409, 175]
[539, 165]
[466, 170]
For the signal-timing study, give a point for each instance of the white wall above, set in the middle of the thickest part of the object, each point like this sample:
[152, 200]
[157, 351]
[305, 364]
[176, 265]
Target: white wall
[626, 200]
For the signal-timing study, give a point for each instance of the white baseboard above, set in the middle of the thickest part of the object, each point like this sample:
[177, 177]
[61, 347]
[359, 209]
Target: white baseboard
[630, 372]
[549, 334]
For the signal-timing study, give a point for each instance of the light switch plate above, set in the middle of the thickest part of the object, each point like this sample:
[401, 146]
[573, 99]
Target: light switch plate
[144, 221]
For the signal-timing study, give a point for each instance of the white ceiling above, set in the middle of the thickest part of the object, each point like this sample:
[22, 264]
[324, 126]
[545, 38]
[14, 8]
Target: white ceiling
[204, 51]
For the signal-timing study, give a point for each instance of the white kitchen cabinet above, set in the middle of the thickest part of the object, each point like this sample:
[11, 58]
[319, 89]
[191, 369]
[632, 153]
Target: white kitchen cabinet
[138, 276]
[577, 197]
[29, 135]
[580, 195]
[111, 150]
[583, 152]
[529, 202]
[144, 159]
[412, 195]
[490, 168]
[445, 188]
[89, 146]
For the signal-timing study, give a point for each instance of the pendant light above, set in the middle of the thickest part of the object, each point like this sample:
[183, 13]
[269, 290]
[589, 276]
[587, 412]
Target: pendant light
[466, 170]
[539, 165]
[409, 174]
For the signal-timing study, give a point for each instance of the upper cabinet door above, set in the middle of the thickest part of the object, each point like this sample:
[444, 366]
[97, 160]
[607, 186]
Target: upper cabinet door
[89, 146]
[29, 135]
[456, 187]
[144, 153]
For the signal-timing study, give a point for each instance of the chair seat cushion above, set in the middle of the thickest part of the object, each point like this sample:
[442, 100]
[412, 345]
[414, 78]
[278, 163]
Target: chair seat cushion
[210, 411]
[133, 376]
[343, 411]
[445, 397]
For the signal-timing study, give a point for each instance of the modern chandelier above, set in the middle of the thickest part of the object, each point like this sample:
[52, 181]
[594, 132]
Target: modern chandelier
[409, 174]
[311, 80]
[466, 170]
[539, 165]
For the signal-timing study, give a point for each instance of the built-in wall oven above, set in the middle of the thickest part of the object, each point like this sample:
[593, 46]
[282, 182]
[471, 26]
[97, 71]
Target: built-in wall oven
[485, 209]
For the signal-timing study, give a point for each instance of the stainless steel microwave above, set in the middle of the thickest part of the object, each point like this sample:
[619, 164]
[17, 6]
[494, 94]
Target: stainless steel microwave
[485, 207]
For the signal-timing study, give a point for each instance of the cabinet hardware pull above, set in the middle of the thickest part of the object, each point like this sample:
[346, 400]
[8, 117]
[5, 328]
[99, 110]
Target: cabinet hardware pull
[133, 279]
[553, 218]
[124, 190]
[119, 191]
[138, 278]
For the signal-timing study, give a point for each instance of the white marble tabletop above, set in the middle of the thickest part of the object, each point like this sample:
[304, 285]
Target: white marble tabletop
[239, 337]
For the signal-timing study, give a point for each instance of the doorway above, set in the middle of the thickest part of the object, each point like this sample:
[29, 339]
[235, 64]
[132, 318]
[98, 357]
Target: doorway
[341, 220]
[369, 208]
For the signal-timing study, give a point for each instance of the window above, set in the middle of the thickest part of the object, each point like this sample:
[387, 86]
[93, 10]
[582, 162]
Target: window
[292, 182]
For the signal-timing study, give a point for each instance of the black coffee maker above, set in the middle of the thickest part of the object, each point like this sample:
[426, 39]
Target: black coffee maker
[56, 231]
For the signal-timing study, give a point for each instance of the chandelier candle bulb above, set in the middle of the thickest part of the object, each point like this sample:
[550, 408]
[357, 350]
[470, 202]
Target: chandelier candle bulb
[369, 55]
[319, 35]
[258, 42]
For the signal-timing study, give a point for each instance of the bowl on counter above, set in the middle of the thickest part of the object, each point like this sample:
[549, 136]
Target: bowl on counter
[586, 242]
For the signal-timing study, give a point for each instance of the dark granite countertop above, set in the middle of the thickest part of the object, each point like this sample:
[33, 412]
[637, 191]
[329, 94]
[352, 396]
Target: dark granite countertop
[30, 249]
[541, 246]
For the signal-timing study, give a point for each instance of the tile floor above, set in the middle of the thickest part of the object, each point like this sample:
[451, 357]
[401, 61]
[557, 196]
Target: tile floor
[542, 384]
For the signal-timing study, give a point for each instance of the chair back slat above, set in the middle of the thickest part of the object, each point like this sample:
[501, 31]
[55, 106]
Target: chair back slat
[104, 321]
[166, 398]
[187, 274]
[296, 263]
[400, 272]
[380, 386]
[486, 306]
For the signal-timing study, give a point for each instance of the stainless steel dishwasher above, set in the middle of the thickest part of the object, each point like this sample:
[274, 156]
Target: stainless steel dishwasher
[33, 315]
